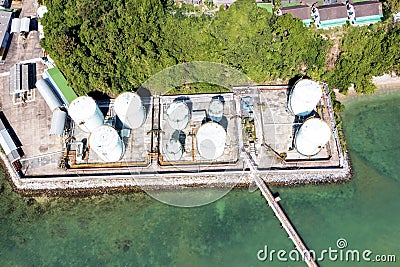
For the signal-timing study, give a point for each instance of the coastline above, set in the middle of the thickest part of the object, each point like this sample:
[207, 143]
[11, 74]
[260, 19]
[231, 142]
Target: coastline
[384, 84]
[53, 187]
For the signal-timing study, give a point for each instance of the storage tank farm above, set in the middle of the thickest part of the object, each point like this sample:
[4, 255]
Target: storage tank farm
[304, 97]
[312, 136]
[85, 113]
[130, 110]
[106, 143]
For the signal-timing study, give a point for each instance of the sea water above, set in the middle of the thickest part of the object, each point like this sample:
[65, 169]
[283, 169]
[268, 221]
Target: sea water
[136, 230]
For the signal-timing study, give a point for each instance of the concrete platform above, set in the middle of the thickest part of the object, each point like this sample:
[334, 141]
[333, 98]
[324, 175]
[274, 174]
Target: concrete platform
[137, 144]
[267, 132]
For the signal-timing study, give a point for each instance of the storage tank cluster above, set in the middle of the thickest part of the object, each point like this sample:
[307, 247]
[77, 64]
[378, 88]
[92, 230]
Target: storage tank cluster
[314, 133]
[210, 137]
[304, 97]
[55, 104]
[178, 117]
[103, 140]
[312, 136]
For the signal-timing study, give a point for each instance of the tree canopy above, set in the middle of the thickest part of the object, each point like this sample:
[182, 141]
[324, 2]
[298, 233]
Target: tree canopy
[366, 52]
[112, 46]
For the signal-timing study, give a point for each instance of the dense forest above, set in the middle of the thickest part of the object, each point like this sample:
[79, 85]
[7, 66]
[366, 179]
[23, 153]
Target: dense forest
[115, 45]
[366, 52]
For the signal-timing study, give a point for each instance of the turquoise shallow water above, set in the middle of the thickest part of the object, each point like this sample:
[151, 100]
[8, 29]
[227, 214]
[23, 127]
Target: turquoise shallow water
[135, 230]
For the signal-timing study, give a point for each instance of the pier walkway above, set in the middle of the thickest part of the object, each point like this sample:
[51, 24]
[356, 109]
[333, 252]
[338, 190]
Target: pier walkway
[279, 213]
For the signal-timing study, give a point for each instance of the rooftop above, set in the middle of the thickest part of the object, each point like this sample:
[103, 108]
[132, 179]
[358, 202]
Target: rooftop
[5, 18]
[301, 12]
[368, 8]
[330, 12]
[58, 78]
[334, 13]
[22, 77]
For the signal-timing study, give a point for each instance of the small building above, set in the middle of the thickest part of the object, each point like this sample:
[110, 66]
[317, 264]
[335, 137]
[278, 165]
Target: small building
[367, 12]
[223, 2]
[25, 25]
[22, 82]
[334, 12]
[41, 11]
[192, 2]
[7, 143]
[302, 12]
[332, 15]
[21, 25]
[41, 31]
[5, 19]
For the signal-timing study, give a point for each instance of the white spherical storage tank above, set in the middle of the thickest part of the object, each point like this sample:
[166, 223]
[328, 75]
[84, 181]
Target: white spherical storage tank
[85, 113]
[106, 143]
[48, 94]
[210, 140]
[174, 150]
[178, 115]
[312, 136]
[304, 97]
[216, 110]
[130, 110]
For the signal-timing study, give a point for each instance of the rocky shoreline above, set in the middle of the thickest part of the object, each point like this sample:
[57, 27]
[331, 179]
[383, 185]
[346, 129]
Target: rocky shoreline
[384, 84]
[84, 187]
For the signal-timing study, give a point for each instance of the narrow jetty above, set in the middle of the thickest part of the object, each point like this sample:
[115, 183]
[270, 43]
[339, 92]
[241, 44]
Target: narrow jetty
[279, 213]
